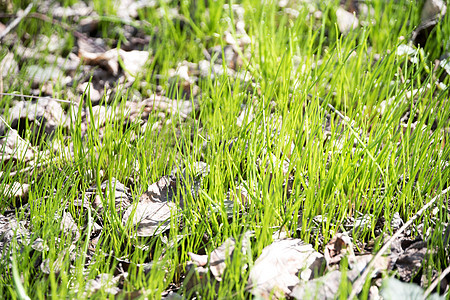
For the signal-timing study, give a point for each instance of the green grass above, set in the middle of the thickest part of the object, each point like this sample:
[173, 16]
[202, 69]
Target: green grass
[297, 67]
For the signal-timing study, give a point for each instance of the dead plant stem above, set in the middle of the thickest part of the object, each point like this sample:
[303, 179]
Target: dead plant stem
[16, 21]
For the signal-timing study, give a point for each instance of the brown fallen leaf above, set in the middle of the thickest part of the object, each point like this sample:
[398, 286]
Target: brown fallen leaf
[198, 277]
[338, 247]
[59, 10]
[39, 75]
[432, 12]
[433, 9]
[8, 66]
[327, 286]
[411, 260]
[12, 229]
[199, 260]
[346, 20]
[108, 60]
[199, 271]
[104, 281]
[217, 258]
[155, 102]
[132, 61]
[48, 266]
[16, 148]
[122, 197]
[43, 116]
[69, 227]
[359, 263]
[160, 191]
[322, 288]
[89, 89]
[15, 191]
[274, 274]
[149, 217]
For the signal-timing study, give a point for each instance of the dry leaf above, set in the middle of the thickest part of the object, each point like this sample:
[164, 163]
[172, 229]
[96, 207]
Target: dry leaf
[8, 66]
[240, 196]
[199, 260]
[108, 60]
[410, 261]
[89, 90]
[42, 116]
[122, 196]
[150, 218]
[327, 286]
[47, 266]
[275, 271]
[217, 258]
[60, 11]
[12, 229]
[199, 269]
[432, 12]
[433, 9]
[322, 288]
[346, 21]
[160, 191]
[14, 147]
[338, 247]
[198, 277]
[360, 262]
[101, 116]
[16, 191]
[104, 281]
[143, 108]
[133, 62]
[69, 227]
[39, 75]
[128, 9]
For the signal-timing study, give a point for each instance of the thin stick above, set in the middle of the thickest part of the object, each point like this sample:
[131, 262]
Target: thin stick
[24, 170]
[64, 26]
[360, 281]
[38, 97]
[16, 21]
[436, 282]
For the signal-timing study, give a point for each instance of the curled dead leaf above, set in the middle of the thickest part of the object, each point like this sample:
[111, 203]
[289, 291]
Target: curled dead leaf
[274, 274]
[346, 20]
[149, 218]
[338, 247]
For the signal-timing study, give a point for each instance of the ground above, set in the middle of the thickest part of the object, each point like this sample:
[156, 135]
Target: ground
[202, 149]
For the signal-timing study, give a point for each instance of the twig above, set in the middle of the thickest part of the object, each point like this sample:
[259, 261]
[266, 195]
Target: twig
[38, 97]
[45, 18]
[436, 282]
[16, 21]
[360, 281]
[64, 26]
[30, 168]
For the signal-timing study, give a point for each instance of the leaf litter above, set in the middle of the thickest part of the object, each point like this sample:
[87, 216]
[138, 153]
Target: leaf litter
[287, 267]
